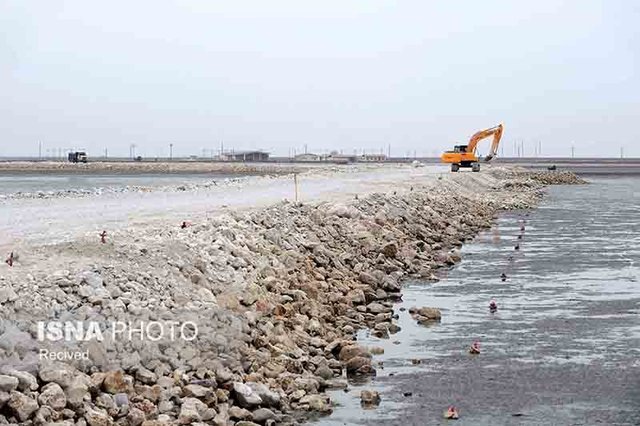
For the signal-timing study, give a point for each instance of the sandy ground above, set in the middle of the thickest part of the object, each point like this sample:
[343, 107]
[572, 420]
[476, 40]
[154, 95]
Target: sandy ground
[25, 222]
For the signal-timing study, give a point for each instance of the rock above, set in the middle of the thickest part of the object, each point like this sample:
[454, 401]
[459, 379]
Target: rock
[21, 405]
[4, 398]
[426, 314]
[318, 403]
[96, 416]
[26, 380]
[350, 351]
[52, 395]
[261, 415]
[246, 423]
[146, 376]
[60, 374]
[381, 330]
[337, 384]
[369, 398]
[377, 308]
[115, 382]
[367, 278]
[268, 397]
[198, 391]
[358, 365]
[191, 411]
[324, 371]
[357, 297]
[390, 250]
[394, 328]
[238, 413]
[376, 350]
[77, 390]
[308, 384]
[245, 396]
[8, 383]
[135, 417]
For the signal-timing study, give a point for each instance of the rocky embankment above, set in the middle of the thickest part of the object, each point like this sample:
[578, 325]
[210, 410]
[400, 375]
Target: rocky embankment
[277, 296]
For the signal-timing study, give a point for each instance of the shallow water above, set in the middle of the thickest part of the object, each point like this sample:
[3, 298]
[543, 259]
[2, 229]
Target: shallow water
[31, 183]
[564, 346]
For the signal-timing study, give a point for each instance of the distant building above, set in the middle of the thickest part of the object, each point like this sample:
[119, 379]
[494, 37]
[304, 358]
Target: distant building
[373, 158]
[245, 156]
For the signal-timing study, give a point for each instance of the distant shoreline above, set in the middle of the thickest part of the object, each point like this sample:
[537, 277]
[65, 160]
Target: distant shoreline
[275, 166]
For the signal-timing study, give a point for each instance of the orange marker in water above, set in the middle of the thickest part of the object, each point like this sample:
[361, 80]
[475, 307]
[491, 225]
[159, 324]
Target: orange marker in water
[451, 413]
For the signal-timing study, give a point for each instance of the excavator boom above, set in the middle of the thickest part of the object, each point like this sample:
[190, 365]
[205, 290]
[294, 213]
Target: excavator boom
[465, 155]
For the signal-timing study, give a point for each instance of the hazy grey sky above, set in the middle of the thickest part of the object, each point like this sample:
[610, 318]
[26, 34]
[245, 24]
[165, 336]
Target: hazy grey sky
[419, 75]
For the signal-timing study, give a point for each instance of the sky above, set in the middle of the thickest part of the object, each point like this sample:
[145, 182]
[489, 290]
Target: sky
[415, 77]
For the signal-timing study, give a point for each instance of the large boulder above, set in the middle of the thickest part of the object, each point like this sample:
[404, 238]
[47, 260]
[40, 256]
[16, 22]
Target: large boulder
[390, 250]
[57, 373]
[22, 406]
[351, 351]
[426, 314]
[8, 383]
[360, 366]
[52, 395]
[245, 396]
[261, 415]
[269, 397]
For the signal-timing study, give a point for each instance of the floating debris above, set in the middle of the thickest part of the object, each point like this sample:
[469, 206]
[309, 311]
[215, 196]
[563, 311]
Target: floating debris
[103, 237]
[475, 348]
[451, 413]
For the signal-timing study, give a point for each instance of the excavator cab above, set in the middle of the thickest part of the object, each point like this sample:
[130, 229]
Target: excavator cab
[459, 149]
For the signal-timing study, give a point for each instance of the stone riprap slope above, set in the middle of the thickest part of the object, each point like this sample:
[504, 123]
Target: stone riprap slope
[277, 295]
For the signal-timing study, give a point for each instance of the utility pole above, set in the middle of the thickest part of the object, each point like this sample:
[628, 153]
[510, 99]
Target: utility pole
[40, 150]
[106, 153]
[389, 151]
[621, 152]
[573, 151]
[305, 148]
[170, 151]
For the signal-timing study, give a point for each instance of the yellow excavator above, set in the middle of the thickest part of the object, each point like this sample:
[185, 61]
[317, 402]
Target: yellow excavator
[465, 155]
